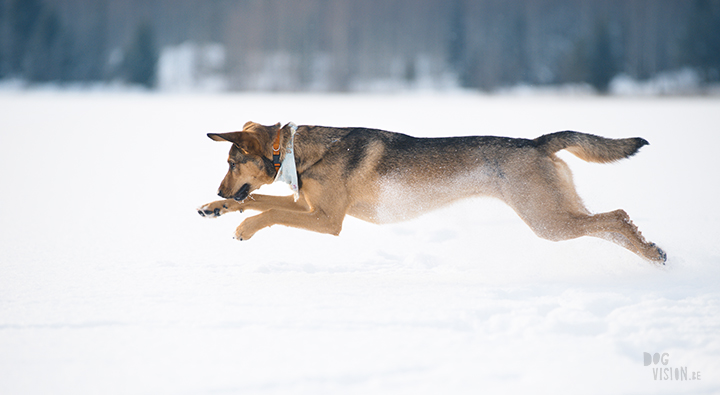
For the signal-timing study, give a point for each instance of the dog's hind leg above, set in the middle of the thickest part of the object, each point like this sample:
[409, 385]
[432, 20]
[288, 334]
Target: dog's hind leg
[623, 241]
[547, 201]
[617, 227]
[614, 226]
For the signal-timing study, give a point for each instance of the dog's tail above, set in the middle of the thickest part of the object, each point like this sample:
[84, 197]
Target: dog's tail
[589, 147]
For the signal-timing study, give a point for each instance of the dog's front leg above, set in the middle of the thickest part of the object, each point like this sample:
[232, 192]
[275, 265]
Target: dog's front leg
[315, 220]
[253, 202]
[267, 202]
[218, 208]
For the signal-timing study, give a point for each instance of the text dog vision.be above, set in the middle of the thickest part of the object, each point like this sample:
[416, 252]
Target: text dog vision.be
[668, 372]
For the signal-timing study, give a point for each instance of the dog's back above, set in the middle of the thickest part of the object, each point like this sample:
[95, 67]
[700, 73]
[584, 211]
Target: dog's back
[393, 177]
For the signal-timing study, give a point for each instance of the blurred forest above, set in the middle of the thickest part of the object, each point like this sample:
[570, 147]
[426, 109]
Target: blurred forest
[345, 45]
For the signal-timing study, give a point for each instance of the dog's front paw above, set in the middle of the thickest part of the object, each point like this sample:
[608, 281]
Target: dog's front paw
[216, 209]
[205, 211]
[244, 231]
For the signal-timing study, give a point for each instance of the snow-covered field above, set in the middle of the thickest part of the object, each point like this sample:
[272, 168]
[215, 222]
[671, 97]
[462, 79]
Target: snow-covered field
[110, 283]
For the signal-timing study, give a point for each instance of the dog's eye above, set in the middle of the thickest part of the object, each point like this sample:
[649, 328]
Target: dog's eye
[232, 165]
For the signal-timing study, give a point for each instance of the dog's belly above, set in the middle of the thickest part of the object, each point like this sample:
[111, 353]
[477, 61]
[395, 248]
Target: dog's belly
[396, 199]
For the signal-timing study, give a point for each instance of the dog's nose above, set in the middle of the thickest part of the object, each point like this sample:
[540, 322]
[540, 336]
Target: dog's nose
[220, 194]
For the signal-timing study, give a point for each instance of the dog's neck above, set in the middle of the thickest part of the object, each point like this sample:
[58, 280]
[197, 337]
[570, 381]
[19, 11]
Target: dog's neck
[280, 143]
[286, 170]
[276, 151]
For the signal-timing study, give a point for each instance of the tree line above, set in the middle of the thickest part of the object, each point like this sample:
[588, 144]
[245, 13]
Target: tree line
[339, 45]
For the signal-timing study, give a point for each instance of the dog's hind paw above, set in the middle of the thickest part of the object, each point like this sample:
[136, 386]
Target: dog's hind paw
[662, 255]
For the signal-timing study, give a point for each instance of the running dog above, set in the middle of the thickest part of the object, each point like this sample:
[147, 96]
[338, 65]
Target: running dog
[384, 177]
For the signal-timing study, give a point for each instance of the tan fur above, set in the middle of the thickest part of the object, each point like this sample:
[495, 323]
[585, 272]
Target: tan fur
[383, 177]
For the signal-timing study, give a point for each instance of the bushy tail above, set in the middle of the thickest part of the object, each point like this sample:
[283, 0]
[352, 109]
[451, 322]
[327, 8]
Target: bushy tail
[589, 147]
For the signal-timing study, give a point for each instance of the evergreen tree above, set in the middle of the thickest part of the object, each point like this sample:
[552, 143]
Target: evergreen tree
[2, 39]
[141, 58]
[47, 56]
[23, 16]
[702, 46]
[602, 66]
[515, 42]
[456, 42]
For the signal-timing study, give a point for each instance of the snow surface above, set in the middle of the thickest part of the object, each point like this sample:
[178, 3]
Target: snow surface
[110, 283]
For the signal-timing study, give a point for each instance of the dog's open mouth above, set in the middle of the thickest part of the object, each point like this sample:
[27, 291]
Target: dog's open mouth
[242, 193]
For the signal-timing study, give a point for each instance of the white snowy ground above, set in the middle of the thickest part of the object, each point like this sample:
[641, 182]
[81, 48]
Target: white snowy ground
[110, 283]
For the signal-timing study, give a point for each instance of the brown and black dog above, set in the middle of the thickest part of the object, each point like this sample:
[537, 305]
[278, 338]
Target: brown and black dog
[383, 177]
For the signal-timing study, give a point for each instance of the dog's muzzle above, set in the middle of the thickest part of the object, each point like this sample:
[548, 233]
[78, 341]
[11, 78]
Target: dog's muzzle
[240, 195]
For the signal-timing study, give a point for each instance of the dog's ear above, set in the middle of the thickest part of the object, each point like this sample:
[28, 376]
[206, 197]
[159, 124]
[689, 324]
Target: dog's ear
[220, 136]
[246, 142]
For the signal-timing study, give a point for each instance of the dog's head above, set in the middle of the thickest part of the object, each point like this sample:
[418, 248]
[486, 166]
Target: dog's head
[250, 160]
